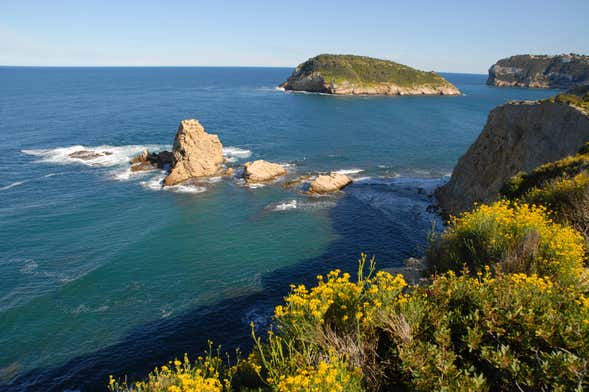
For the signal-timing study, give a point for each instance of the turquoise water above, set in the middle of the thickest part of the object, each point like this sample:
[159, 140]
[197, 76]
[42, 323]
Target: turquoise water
[103, 273]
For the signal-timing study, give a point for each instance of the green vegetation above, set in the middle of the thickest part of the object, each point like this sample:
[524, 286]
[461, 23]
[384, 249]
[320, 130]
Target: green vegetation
[573, 99]
[368, 71]
[561, 186]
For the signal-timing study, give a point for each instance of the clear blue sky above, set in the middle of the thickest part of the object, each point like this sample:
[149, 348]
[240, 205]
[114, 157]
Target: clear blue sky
[452, 36]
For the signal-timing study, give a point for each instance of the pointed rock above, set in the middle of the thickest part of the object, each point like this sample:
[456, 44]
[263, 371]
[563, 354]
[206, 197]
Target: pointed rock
[196, 153]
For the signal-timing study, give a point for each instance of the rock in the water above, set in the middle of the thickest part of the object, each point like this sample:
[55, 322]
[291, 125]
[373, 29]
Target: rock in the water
[360, 75]
[518, 136]
[151, 161]
[88, 155]
[262, 171]
[329, 183]
[295, 182]
[540, 71]
[196, 154]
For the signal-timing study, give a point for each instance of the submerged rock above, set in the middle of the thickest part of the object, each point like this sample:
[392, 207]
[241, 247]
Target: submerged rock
[518, 136]
[88, 155]
[196, 154]
[262, 171]
[329, 183]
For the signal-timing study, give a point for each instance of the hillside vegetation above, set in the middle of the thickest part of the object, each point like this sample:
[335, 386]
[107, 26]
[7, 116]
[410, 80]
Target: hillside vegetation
[355, 75]
[368, 70]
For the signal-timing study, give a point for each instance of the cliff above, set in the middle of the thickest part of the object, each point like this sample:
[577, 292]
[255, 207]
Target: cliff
[518, 136]
[359, 75]
[540, 71]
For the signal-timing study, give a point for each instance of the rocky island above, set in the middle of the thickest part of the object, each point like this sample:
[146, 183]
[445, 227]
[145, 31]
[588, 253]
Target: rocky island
[359, 75]
[540, 71]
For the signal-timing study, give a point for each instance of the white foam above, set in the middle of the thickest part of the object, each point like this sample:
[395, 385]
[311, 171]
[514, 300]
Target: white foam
[155, 183]
[234, 153]
[287, 205]
[278, 88]
[17, 183]
[119, 155]
[186, 188]
[349, 171]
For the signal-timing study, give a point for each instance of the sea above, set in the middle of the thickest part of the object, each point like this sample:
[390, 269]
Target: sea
[104, 272]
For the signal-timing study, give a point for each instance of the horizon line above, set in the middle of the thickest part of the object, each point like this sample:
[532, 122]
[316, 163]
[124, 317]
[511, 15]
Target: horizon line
[185, 66]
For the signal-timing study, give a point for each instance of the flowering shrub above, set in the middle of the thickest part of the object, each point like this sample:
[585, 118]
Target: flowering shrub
[515, 236]
[207, 374]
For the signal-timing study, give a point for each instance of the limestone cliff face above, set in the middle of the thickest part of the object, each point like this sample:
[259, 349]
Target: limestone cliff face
[518, 136]
[359, 75]
[540, 71]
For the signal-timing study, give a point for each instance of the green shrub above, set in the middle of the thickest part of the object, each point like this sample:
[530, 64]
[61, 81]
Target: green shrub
[561, 186]
[513, 237]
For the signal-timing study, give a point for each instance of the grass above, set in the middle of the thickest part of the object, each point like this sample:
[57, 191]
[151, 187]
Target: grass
[368, 71]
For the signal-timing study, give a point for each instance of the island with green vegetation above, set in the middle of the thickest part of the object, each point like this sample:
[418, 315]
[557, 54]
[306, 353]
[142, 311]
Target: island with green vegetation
[503, 303]
[360, 75]
[540, 71]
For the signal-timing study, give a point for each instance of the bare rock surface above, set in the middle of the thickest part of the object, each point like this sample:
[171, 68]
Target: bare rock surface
[518, 136]
[262, 171]
[332, 182]
[88, 155]
[151, 161]
[196, 153]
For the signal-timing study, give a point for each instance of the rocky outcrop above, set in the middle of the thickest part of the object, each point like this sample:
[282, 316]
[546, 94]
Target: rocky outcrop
[540, 71]
[359, 75]
[196, 153]
[151, 161]
[518, 136]
[88, 155]
[262, 171]
[329, 183]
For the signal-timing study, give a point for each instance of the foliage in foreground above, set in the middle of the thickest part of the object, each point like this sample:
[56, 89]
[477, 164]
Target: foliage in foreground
[512, 237]
[519, 320]
[561, 186]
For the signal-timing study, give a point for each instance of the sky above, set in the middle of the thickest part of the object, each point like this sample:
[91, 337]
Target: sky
[445, 36]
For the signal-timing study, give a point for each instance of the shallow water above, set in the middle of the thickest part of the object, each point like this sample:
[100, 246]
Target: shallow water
[104, 273]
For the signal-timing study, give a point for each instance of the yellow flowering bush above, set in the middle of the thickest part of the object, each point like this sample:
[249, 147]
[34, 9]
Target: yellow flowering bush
[325, 377]
[516, 236]
[203, 375]
[562, 186]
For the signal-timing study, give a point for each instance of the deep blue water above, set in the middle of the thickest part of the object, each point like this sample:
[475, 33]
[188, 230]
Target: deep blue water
[102, 273]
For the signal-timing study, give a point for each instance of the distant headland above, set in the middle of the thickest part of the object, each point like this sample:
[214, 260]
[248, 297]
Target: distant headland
[360, 75]
[540, 71]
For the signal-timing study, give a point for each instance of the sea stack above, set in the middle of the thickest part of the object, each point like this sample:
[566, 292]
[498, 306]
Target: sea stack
[196, 153]
[540, 71]
[360, 75]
